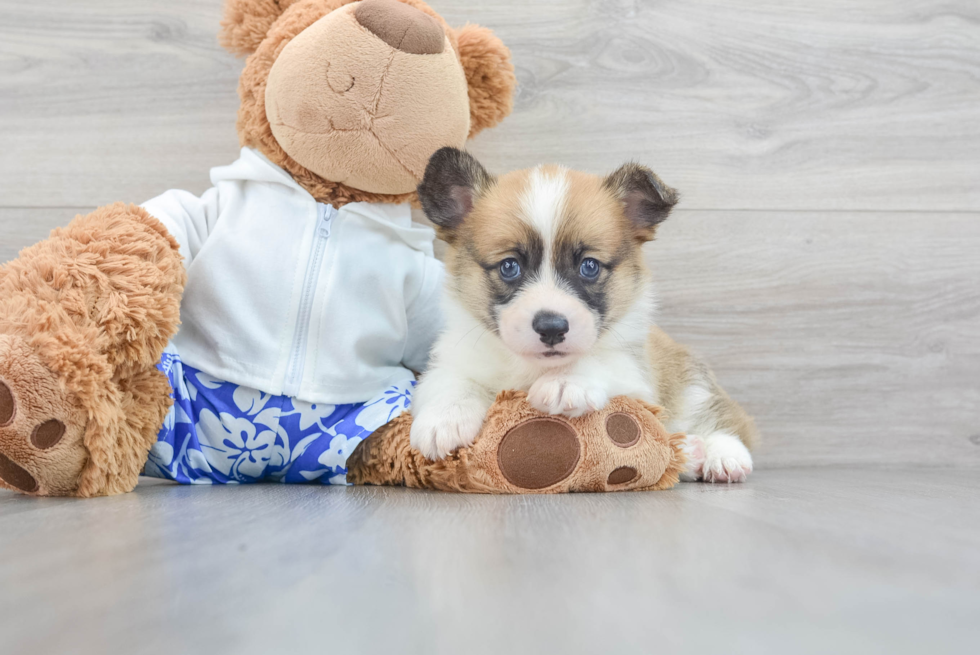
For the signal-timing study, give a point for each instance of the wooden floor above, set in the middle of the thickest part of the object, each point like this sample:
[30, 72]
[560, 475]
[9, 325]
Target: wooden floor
[797, 561]
[825, 259]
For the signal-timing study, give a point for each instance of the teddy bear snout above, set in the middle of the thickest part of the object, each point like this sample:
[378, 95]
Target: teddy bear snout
[402, 27]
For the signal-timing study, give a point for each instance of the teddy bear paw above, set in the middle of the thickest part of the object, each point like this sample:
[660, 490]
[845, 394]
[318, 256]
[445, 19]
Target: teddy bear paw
[41, 426]
[602, 451]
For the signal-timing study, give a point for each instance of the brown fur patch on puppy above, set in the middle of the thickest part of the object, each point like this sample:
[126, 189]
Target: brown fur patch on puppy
[595, 225]
[677, 369]
[494, 231]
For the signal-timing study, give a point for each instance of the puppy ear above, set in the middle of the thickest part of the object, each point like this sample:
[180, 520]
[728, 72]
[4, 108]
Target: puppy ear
[489, 76]
[646, 199]
[245, 23]
[452, 183]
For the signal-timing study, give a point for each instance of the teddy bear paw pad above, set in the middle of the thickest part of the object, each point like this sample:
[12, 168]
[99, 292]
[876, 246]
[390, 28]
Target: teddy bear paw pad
[622, 429]
[41, 426]
[538, 453]
[621, 475]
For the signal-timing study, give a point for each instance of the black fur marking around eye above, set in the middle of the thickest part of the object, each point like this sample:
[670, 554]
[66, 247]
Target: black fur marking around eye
[529, 254]
[567, 260]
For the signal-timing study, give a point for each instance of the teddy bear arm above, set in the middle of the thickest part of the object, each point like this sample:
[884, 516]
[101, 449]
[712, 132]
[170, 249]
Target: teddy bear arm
[111, 280]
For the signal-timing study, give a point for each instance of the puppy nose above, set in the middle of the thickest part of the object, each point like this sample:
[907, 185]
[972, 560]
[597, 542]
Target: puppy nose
[402, 27]
[551, 326]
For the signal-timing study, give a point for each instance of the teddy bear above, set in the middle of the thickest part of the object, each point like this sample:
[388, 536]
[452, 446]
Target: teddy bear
[305, 296]
[622, 447]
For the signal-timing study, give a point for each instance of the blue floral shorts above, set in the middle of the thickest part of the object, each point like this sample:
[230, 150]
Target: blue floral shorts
[222, 433]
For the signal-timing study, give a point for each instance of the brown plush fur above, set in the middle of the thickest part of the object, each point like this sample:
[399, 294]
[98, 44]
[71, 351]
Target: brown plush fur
[96, 304]
[386, 458]
[350, 107]
[486, 62]
[86, 314]
[246, 22]
[27, 468]
[490, 75]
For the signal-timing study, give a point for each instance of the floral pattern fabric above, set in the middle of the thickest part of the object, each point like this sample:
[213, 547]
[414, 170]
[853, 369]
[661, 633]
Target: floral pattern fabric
[218, 432]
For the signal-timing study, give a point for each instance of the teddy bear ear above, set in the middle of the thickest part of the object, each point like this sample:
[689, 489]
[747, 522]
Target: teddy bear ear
[245, 23]
[489, 74]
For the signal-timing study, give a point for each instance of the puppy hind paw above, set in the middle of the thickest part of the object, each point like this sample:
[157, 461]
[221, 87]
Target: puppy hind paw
[726, 459]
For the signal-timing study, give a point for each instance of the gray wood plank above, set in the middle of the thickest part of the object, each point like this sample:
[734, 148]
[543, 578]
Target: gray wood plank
[22, 227]
[105, 100]
[853, 338]
[873, 104]
[811, 105]
[809, 561]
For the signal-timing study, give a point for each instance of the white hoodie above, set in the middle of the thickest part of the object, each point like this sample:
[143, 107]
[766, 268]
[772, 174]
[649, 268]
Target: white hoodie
[293, 297]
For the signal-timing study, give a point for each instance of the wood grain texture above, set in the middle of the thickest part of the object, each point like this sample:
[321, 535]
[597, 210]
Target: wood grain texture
[827, 104]
[851, 337]
[106, 100]
[815, 561]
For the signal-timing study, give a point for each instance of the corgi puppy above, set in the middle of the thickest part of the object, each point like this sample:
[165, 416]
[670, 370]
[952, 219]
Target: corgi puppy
[547, 292]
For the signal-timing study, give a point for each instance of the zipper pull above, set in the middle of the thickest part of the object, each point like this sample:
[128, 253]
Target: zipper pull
[323, 230]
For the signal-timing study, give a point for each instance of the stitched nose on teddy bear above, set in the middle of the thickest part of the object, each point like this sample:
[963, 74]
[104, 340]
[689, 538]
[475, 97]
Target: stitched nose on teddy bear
[402, 27]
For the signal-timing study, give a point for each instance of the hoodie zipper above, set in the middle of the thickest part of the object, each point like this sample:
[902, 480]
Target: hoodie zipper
[297, 356]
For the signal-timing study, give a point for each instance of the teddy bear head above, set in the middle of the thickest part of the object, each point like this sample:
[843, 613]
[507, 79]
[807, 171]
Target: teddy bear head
[352, 98]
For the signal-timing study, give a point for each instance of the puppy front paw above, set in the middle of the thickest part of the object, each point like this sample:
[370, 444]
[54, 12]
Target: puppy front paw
[441, 428]
[570, 396]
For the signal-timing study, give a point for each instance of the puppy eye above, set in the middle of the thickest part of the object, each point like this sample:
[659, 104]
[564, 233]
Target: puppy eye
[589, 269]
[510, 269]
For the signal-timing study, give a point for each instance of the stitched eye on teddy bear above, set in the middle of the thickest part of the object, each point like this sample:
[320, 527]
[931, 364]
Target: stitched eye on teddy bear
[338, 79]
